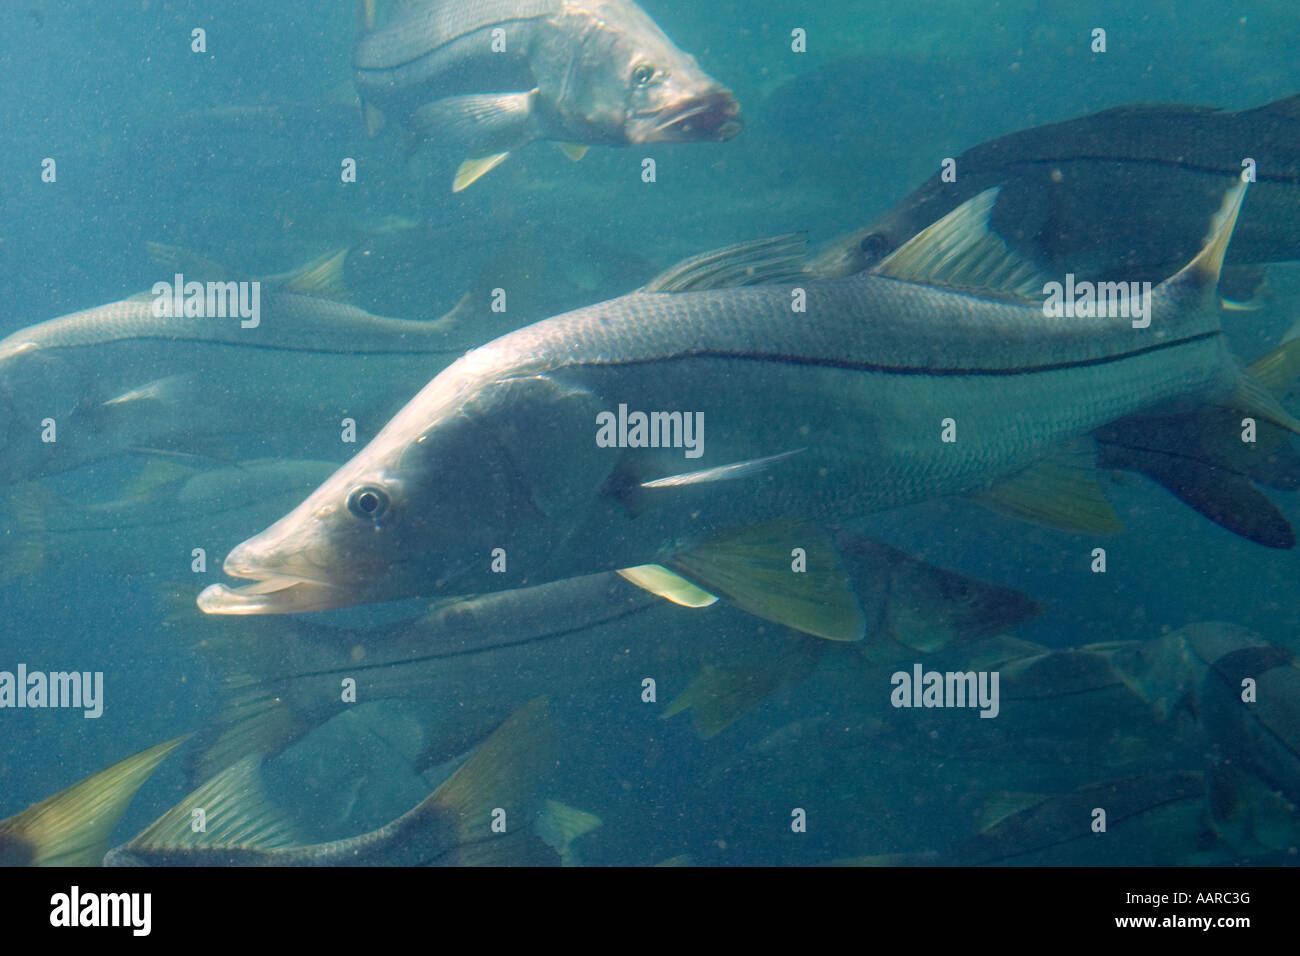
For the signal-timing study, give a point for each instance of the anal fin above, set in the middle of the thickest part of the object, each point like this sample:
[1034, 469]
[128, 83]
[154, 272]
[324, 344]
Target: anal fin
[1061, 491]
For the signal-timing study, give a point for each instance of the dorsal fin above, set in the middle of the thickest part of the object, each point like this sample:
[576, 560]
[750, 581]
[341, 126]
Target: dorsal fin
[191, 264]
[1289, 106]
[762, 262]
[1199, 278]
[322, 277]
[236, 813]
[960, 252]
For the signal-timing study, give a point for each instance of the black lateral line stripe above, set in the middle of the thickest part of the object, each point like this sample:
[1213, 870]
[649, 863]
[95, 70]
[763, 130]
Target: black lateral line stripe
[262, 346]
[1283, 178]
[955, 372]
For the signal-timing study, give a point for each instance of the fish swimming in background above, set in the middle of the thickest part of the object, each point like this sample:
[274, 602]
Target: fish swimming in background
[824, 404]
[569, 636]
[1119, 195]
[161, 514]
[117, 378]
[453, 826]
[492, 76]
[72, 828]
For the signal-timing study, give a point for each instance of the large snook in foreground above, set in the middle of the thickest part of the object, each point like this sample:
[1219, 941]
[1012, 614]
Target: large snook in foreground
[495, 75]
[500, 474]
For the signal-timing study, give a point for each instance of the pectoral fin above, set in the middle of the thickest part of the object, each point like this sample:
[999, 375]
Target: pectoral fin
[731, 472]
[720, 696]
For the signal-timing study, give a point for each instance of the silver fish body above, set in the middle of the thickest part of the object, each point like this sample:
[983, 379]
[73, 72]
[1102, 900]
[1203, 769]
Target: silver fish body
[847, 404]
[118, 377]
[496, 74]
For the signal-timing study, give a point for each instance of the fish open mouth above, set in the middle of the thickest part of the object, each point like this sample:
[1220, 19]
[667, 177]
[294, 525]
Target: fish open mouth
[271, 594]
[713, 116]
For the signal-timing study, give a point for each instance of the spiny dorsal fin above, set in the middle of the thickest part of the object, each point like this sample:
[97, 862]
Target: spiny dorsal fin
[754, 569]
[1060, 491]
[72, 827]
[236, 813]
[322, 277]
[960, 252]
[762, 262]
[1200, 277]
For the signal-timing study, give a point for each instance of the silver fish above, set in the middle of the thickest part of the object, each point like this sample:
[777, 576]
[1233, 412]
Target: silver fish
[118, 377]
[571, 636]
[453, 826]
[834, 414]
[494, 75]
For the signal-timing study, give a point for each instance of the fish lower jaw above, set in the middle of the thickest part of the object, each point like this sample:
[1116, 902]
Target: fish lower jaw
[713, 117]
[271, 594]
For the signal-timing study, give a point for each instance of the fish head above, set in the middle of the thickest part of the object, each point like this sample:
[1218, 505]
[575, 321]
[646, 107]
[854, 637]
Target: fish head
[631, 82]
[454, 490]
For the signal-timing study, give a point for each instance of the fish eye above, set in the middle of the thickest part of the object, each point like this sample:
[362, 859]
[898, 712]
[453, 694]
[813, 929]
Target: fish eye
[368, 502]
[874, 246]
[643, 74]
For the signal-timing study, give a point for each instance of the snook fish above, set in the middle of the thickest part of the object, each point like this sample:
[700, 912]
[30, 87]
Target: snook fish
[1120, 194]
[572, 637]
[493, 477]
[454, 826]
[495, 75]
[118, 377]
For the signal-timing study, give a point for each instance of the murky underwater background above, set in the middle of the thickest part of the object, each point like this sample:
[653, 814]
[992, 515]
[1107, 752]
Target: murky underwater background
[235, 155]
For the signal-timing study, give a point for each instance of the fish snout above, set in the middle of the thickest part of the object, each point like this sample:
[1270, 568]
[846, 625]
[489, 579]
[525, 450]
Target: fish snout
[710, 115]
[284, 582]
